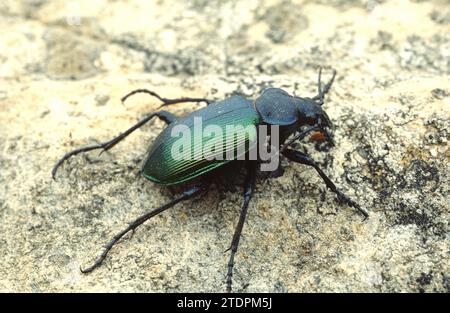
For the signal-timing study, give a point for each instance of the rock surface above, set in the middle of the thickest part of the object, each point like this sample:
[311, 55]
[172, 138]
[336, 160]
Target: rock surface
[65, 66]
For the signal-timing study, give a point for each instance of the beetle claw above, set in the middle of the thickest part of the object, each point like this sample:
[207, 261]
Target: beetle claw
[343, 198]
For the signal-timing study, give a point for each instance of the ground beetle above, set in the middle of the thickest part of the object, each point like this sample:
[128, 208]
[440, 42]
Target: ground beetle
[295, 116]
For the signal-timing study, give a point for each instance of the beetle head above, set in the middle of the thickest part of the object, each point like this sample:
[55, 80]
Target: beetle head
[311, 113]
[277, 107]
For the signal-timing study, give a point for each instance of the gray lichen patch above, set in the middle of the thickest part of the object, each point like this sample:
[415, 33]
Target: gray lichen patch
[70, 56]
[284, 20]
[432, 55]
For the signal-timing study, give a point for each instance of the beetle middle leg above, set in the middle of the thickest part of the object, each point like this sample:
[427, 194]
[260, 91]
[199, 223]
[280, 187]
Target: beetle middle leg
[249, 188]
[165, 101]
[105, 146]
[300, 157]
[192, 192]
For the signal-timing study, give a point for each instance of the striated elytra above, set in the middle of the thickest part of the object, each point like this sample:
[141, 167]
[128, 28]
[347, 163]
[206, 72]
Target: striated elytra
[161, 167]
[177, 155]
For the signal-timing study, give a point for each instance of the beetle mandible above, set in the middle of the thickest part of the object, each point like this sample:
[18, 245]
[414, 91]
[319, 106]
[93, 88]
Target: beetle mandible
[297, 116]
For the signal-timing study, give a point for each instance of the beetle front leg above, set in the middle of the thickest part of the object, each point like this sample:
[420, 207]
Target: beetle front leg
[249, 188]
[299, 157]
[165, 101]
[105, 146]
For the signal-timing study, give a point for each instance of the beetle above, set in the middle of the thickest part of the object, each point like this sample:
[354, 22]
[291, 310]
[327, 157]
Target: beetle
[295, 117]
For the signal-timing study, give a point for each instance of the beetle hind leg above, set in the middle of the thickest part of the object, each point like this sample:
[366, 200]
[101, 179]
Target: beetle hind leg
[140, 220]
[165, 101]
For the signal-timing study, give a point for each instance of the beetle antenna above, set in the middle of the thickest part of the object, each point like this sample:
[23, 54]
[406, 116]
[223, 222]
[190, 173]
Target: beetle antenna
[165, 101]
[319, 98]
[319, 83]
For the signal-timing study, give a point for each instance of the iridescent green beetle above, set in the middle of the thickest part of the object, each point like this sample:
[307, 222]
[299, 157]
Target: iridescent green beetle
[291, 115]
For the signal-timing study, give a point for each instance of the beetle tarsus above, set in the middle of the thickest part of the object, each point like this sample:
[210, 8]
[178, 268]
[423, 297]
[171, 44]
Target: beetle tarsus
[69, 155]
[343, 198]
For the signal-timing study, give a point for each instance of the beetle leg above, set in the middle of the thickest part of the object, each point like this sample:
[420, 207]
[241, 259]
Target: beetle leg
[299, 137]
[322, 92]
[165, 101]
[249, 188]
[302, 158]
[140, 220]
[163, 115]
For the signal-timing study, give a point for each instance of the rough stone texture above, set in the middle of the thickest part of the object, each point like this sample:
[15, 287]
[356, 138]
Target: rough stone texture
[66, 64]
